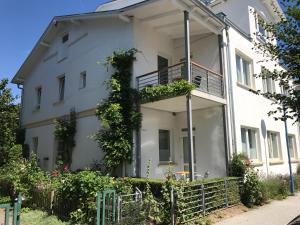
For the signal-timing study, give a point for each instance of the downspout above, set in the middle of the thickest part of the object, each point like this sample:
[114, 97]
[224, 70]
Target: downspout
[230, 97]
[21, 107]
[224, 107]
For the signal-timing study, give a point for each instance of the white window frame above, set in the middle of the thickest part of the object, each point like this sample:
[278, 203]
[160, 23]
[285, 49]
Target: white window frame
[294, 146]
[268, 84]
[242, 80]
[61, 88]
[82, 81]
[38, 91]
[257, 143]
[35, 145]
[263, 36]
[170, 146]
[270, 145]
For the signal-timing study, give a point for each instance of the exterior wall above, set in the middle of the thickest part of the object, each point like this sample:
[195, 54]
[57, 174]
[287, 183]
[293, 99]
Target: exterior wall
[101, 40]
[252, 110]
[241, 13]
[85, 152]
[90, 42]
[209, 141]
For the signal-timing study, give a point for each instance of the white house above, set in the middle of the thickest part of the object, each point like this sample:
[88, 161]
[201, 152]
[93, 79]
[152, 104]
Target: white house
[62, 73]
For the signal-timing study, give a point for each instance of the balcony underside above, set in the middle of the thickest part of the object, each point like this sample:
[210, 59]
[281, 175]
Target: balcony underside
[200, 100]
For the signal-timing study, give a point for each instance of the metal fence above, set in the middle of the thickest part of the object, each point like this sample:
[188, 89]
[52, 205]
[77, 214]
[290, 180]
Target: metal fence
[16, 211]
[204, 79]
[195, 201]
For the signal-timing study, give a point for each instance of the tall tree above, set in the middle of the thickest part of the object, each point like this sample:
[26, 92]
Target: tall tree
[9, 120]
[286, 52]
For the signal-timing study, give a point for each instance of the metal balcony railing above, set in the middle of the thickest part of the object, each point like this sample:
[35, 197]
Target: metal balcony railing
[204, 79]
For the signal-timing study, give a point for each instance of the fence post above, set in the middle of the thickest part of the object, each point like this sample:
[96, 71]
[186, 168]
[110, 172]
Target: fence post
[203, 198]
[98, 208]
[51, 201]
[226, 192]
[119, 208]
[172, 206]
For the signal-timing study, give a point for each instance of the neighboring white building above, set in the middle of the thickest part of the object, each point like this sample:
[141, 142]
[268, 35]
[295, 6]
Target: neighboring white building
[62, 73]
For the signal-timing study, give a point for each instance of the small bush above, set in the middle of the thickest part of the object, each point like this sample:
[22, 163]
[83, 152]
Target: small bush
[298, 169]
[252, 192]
[239, 165]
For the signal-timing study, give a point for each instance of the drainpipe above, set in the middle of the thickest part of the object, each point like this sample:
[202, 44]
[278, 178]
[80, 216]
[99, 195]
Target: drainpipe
[224, 107]
[189, 97]
[21, 108]
[230, 93]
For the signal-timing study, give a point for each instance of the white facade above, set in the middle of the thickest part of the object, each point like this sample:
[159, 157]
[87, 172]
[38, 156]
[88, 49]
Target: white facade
[155, 29]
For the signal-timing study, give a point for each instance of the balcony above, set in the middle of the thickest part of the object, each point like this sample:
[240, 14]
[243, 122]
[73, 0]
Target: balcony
[205, 80]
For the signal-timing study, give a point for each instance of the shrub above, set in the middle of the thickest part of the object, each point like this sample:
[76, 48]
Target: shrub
[252, 191]
[276, 187]
[19, 176]
[298, 169]
[239, 165]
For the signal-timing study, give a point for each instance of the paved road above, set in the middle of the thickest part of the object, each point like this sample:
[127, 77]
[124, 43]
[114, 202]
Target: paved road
[275, 213]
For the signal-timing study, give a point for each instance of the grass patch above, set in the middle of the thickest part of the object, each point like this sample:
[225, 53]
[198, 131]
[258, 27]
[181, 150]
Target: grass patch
[37, 217]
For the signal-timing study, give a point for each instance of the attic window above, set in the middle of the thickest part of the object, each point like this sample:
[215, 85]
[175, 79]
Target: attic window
[65, 38]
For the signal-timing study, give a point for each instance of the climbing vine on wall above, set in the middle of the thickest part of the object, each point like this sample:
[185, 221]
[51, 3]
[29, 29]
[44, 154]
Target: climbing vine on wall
[119, 112]
[65, 130]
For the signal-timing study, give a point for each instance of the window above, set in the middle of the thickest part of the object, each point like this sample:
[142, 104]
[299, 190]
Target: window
[164, 146]
[261, 31]
[250, 143]
[38, 97]
[243, 69]
[274, 145]
[61, 88]
[65, 38]
[35, 144]
[82, 80]
[268, 82]
[292, 146]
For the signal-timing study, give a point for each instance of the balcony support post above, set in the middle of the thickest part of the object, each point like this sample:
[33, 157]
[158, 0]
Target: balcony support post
[189, 97]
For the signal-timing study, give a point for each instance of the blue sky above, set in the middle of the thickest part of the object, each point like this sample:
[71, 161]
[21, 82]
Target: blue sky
[22, 22]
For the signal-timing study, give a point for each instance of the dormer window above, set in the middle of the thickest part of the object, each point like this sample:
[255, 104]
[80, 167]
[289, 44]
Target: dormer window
[261, 31]
[65, 38]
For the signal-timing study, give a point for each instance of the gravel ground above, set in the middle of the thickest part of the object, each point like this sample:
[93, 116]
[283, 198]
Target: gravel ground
[275, 213]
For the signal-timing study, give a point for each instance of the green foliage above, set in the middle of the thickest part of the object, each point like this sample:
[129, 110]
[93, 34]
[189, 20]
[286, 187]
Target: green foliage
[19, 176]
[77, 192]
[239, 165]
[9, 120]
[286, 33]
[252, 190]
[174, 89]
[276, 187]
[298, 169]
[119, 113]
[65, 130]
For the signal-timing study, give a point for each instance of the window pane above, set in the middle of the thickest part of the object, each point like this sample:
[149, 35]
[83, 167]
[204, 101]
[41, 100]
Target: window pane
[275, 145]
[244, 140]
[252, 144]
[291, 146]
[61, 88]
[246, 72]
[238, 69]
[164, 145]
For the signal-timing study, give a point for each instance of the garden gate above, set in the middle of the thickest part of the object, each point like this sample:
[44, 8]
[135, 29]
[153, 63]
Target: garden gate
[16, 211]
[113, 209]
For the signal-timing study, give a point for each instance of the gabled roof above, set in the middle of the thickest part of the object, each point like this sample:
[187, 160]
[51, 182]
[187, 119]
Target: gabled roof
[111, 9]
